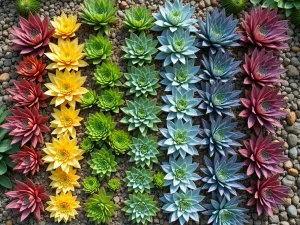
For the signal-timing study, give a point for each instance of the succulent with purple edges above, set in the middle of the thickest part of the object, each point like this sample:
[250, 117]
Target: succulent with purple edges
[218, 31]
[263, 29]
[263, 108]
[218, 136]
[222, 175]
[262, 68]
[218, 98]
[220, 66]
[267, 194]
[263, 156]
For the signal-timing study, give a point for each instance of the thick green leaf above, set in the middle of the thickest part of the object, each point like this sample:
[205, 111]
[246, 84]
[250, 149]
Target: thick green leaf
[5, 182]
[5, 145]
[3, 132]
[4, 115]
[15, 148]
[3, 167]
[8, 161]
[1, 156]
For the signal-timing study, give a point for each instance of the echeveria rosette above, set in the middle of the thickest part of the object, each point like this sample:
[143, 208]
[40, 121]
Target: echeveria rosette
[144, 151]
[180, 174]
[181, 104]
[225, 212]
[181, 75]
[119, 141]
[267, 194]
[97, 48]
[263, 29]
[99, 14]
[263, 108]
[218, 98]
[89, 99]
[108, 74]
[139, 49]
[31, 68]
[220, 66]
[110, 100]
[142, 80]
[218, 136]
[138, 19]
[87, 145]
[218, 31]
[288, 5]
[141, 208]
[174, 16]
[183, 206]
[139, 180]
[180, 138]
[263, 156]
[222, 175]
[262, 68]
[178, 46]
[90, 185]
[114, 184]
[141, 114]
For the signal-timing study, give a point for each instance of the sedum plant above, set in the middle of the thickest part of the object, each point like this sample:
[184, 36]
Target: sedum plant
[108, 74]
[110, 100]
[141, 208]
[31, 68]
[119, 141]
[142, 81]
[33, 35]
[220, 66]
[90, 185]
[263, 29]
[267, 194]
[180, 75]
[263, 156]
[139, 49]
[158, 180]
[138, 19]
[99, 14]
[174, 16]
[87, 145]
[263, 108]
[114, 184]
[139, 180]
[97, 48]
[180, 174]
[89, 99]
[218, 31]
[141, 114]
[180, 138]
[178, 46]
[288, 5]
[181, 104]
[144, 151]
[218, 136]
[223, 211]
[233, 6]
[102, 163]
[99, 208]
[99, 126]
[262, 69]
[183, 206]
[218, 98]
[24, 7]
[222, 175]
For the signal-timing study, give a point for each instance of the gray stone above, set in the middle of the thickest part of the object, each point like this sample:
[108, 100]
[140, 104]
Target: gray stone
[7, 62]
[292, 71]
[295, 61]
[283, 216]
[289, 181]
[207, 2]
[274, 219]
[292, 211]
[8, 55]
[293, 153]
[292, 140]
[294, 129]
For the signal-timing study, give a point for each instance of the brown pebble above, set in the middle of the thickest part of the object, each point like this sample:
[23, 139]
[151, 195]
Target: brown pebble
[287, 201]
[202, 4]
[4, 77]
[288, 165]
[9, 222]
[214, 2]
[291, 118]
[295, 49]
[293, 172]
[123, 5]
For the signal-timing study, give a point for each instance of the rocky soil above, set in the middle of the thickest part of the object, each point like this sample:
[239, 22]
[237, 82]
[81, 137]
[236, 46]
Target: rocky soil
[288, 214]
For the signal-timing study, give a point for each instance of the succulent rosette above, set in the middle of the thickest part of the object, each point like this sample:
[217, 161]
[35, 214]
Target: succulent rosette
[262, 68]
[267, 194]
[27, 94]
[174, 16]
[33, 35]
[31, 68]
[26, 125]
[218, 31]
[181, 75]
[263, 29]
[139, 180]
[65, 26]
[263, 156]
[138, 19]
[263, 108]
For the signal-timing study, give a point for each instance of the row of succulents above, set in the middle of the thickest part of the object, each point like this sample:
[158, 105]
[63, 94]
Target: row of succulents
[263, 107]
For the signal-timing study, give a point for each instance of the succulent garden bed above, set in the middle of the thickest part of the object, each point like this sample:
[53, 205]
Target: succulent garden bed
[149, 112]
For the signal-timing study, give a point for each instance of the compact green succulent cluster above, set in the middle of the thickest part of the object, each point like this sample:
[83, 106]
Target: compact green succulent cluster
[108, 75]
[97, 48]
[90, 185]
[89, 99]
[138, 19]
[119, 141]
[23, 7]
[114, 184]
[110, 100]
